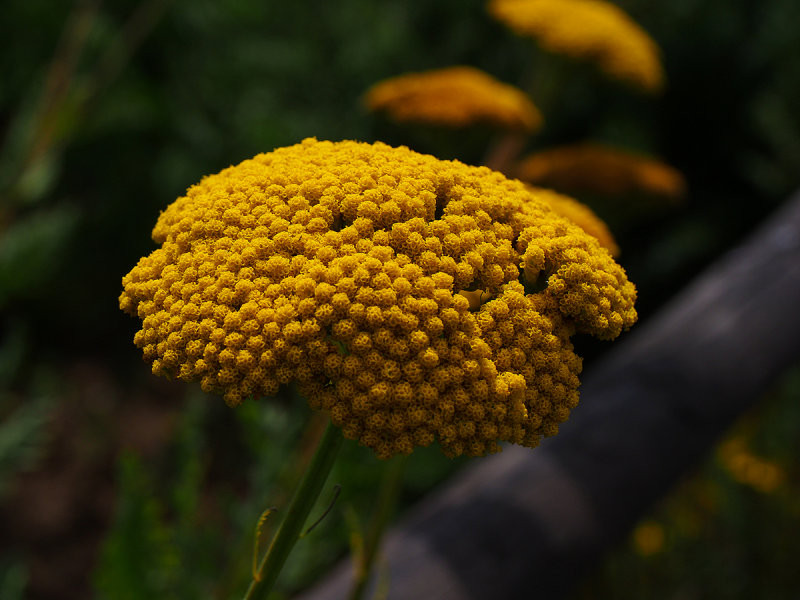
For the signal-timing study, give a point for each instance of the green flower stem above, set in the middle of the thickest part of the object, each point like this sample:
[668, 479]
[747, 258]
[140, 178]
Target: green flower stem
[303, 501]
[384, 507]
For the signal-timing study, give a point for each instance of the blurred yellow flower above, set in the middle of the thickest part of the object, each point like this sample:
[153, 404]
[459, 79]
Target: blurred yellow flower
[454, 97]
[340, 266]
[596, 169]
[762, 475]
[589, 30]
[581, 215]
[648, 538]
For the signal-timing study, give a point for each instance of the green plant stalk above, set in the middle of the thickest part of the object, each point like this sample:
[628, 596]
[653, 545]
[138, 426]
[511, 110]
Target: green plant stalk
[303, 501]
[385, 504]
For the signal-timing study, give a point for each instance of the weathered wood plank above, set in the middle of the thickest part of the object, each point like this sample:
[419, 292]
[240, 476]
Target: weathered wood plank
[528, 523]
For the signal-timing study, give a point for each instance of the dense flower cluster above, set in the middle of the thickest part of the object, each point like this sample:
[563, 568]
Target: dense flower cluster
[348, 268]
[590, 30]
[454, 97]
[581, 215]
[596, 169]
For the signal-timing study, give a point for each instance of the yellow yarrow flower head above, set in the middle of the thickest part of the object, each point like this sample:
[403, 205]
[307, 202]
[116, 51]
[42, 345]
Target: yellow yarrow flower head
[596, 169]
[340, 266]
[581, 215]
[454, 97]
[591, 30]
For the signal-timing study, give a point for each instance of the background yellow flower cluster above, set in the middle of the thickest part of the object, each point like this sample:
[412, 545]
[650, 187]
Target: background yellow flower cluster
[454, 97]
[592, 30]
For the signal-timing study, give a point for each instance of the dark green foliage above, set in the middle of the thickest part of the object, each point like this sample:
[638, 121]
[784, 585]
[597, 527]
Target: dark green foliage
[198, 506]
[30, 250]
[181, 528]
[139, 560]
[24, 418]
[158, 528]
[22, 438]
[13, 579]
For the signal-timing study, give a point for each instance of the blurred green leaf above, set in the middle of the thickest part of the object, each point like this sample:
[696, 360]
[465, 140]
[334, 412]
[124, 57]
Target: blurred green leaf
[38, 179]
[13, 348]
[23, 436]
[13, 579]
[30, 249]
[138, 559]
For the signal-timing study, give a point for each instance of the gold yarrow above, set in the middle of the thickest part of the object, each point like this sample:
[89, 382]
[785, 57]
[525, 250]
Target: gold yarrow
[454, 97]
[341, 266]
[591, 30]
[590, 168]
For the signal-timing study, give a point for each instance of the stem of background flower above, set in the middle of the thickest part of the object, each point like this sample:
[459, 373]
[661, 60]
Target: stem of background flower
[542, 80]
[504, 151]
[303, 501]
[385, 504]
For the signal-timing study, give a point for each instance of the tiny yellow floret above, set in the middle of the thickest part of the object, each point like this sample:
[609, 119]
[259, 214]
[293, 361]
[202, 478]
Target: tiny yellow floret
[590, 30]
[454, 97]
[348, 268]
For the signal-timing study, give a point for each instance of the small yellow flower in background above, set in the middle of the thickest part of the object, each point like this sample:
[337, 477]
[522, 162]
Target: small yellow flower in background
[581, 215]
[340, 266]
[596, 169]
[454, 97]
[746, 468]
[589, 30]
[648, 538]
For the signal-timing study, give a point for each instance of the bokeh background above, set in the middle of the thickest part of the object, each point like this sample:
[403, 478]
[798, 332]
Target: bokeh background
[114, 484]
